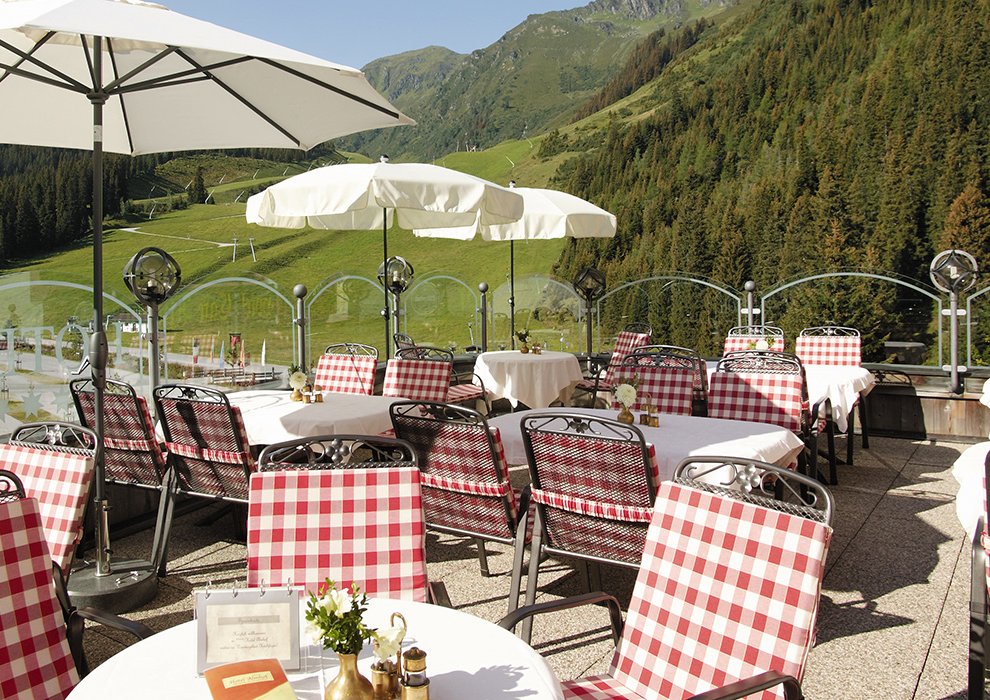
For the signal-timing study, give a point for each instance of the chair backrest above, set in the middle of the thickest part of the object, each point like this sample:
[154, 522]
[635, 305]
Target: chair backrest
[403, 341]
[631, 337]
[347, 368]
[465, 478]
[130, 448]
[747, 338]
[357, 526]
[726, 589]
[765, 387]
[37, 660]
[58, 476]
[829, 345]
[660, 382]
[677, 356]
[336, 452]
[417, 379]
[208, 448]
[594, 482]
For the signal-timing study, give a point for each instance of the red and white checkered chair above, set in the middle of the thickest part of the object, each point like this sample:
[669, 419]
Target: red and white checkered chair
[347, 368]
[633, 336]
[466, 388]
[209, 455]
[695, 626]
[417, 379]
[679, 357]
[747, 337]
[40, 641]
[131, 451]
[466, 489]
[770, 387]
[660, 383]
[593, 481]
[355, 526]
[836, 346]
[58, 475]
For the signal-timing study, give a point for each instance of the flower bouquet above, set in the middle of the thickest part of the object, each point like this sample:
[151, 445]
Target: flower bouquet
[335, 618]
[625, 395]
[523, 336]
[297, 381]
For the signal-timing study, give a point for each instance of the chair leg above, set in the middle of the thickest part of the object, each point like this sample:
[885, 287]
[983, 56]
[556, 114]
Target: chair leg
[850, 434]
[482, 556]
[166, 510]
[833, 472]
[519, 549]
[594, 576]
[535, 551]
[977, 619]
[863, 421]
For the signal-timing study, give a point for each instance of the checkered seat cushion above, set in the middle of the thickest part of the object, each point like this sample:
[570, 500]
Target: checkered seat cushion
[208, 448]
[60, 482]
[669, 389]
[763, 398]
[355, 526]
[131, 450]
[35, 659]
[417, 380]
[829, 350]
[346, 374]
[726, 590]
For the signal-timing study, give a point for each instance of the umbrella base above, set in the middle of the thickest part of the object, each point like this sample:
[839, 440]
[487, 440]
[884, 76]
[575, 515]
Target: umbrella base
[129, 585]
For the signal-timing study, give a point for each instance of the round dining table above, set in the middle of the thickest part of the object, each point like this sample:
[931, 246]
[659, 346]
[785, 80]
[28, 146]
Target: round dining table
[527, 378]
[467, 657]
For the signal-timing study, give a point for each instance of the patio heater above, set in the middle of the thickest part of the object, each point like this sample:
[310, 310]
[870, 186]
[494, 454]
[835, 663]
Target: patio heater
[954, 271]
[395, 274]
[589, 283]
[153, 276]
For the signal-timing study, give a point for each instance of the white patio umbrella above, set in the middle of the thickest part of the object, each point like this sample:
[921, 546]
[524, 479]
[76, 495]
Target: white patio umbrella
[133, 77]
[366, 196]
[546, 214]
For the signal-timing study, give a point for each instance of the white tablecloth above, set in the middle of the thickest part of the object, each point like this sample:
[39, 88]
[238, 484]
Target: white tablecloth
[270, 416]
[843, 384]
[534, 380]
[679, 437]
[968, 470]
[467, 657]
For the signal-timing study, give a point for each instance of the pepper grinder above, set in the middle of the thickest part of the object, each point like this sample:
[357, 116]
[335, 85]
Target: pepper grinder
[415, 684]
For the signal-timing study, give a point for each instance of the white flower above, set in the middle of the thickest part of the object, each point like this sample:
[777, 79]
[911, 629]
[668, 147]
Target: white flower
[762, 344]
[297, 380]
[388, 641]
[313, 632]
[625, 394]
[337, 602]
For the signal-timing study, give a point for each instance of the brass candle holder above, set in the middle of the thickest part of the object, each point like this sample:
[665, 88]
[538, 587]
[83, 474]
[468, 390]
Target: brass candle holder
[415, 685]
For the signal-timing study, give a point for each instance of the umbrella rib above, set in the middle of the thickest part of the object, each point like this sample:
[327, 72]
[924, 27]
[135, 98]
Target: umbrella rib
[328, 86]
[14, 69]
[114, 85]
[240, 98]
[190, 76]
[123, 106]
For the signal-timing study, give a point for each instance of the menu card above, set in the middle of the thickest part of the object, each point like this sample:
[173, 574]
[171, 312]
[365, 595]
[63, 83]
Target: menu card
[261, 679]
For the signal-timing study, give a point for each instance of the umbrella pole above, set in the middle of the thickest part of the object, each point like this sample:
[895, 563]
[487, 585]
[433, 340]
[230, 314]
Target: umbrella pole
[385, 311]
[512, 293]
[97, 585]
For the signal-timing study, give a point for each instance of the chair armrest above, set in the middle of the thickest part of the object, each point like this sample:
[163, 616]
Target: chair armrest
[749, 686]
[76, 625]
[510, 621]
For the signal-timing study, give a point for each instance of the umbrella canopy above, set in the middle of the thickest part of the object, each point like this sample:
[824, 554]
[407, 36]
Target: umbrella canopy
[133, 77]
[546, 214]
[173, 82]
[356, 196]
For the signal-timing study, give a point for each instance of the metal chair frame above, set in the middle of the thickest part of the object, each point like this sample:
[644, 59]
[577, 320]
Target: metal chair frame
[845, 332]
[679, 359]
[979, 601]
[600, 365]
[430, 352]
[357, 349]
[189, 394]
[592, 429]
[769, 333]
[336, 452]
[751, 482]
[408, 416]
[11, 488]
[769, 362]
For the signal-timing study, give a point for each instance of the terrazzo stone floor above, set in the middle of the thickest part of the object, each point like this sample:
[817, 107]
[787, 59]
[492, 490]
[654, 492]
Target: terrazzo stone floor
[893, 621]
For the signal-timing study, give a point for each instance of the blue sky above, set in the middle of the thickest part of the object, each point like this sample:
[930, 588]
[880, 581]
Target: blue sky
[357, 32]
